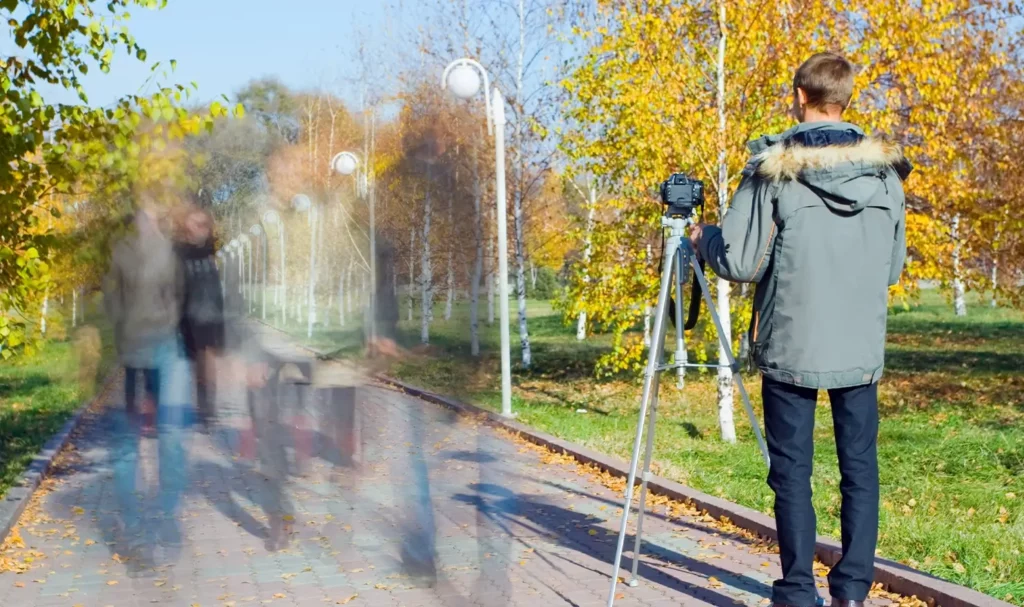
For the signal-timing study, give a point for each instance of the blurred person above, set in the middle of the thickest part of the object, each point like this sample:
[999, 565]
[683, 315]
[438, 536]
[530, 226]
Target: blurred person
[818, 224]
[142, 296]
[202, 312]
[143, 293]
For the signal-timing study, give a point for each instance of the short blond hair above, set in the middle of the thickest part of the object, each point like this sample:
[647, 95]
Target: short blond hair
[826, 79]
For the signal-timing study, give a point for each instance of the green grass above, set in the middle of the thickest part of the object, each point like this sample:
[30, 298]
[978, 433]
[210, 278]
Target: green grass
[951, 443]
[37, 396]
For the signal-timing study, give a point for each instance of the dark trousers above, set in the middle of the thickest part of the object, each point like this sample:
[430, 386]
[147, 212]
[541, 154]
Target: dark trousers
[150, 379]
[789, 428]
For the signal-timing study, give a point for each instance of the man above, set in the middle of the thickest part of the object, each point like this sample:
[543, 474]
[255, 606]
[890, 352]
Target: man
[818, 224]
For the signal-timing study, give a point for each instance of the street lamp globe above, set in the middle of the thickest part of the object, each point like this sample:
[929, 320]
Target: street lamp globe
[301, 202]
[345, 163]
[256, 230]
[463, 81]
[234, 244]
[271, 217]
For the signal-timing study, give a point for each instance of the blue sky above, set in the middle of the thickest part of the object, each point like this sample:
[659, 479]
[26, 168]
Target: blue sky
[222, 44]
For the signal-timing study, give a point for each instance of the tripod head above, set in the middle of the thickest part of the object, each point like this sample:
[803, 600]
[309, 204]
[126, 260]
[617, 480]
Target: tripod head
[677, 226]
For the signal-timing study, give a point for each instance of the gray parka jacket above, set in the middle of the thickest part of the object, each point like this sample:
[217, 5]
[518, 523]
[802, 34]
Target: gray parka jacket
[818, 224]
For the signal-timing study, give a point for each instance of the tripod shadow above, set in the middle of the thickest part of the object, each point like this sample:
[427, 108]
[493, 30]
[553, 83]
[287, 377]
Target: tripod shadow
[521, 515]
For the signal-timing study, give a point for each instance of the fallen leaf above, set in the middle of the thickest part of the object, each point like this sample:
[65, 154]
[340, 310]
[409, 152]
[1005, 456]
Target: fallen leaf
[78, 510]
[714, 583]
[159, 583]
[280, 595]
[19, 584]
[346, 601]
[359, 570]
[959, 568]
[112, 583]
[90, 542]
[39, 581]
[619, 596]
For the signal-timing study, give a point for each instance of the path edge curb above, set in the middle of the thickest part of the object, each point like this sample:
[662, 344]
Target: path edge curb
[895, 577]
[17, 498]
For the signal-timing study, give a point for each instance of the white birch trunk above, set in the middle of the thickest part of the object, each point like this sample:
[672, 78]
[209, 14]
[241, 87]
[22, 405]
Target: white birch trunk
[478, 262]
[959, 299]
[995, 282]
[490, 282]
[74, 305]
[46, 307]
[517, 204]
[533, 277]
[412, 270]
[725, 390]
[341, 298]
[426, 274]
[450, 301]
[581, 322]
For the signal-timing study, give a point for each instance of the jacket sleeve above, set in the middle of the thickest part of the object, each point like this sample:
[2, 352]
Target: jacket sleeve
[739, 250]
[899, 247]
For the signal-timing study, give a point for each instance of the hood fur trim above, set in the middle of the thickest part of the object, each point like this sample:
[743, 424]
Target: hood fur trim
[787, 162]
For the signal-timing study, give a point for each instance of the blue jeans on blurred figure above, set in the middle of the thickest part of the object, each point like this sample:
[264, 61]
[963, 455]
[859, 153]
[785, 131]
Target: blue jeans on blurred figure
[171, 386]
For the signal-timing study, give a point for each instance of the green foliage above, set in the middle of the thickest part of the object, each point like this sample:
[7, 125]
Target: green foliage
[548, 286]
[52, 151]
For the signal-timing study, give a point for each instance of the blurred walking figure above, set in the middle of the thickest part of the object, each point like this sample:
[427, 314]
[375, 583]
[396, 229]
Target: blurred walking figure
[202, 313]
[143, 294]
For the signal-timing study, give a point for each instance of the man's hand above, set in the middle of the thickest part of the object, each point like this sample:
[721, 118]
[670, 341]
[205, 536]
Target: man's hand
[696, 231]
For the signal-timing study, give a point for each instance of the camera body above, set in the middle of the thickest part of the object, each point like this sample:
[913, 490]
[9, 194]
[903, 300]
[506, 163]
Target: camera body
[682, 194]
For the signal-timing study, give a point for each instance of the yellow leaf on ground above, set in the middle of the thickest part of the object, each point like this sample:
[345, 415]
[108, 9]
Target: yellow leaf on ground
[346, 601]
[112, 583]
[78, 510]
[90, 542]
[19, 584]
[280, 595]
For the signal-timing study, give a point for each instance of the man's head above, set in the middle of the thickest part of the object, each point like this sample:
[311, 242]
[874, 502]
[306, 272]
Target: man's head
[822, 88]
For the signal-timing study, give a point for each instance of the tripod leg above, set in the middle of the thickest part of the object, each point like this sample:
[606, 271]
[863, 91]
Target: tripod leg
[727, 348]
[650, 377]
[680, 357]
[634, 581]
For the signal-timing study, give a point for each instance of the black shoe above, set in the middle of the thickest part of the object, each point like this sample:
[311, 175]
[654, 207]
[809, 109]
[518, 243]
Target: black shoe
[839, 603]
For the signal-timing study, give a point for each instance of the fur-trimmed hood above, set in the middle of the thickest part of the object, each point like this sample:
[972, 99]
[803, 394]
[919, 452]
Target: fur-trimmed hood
[783, 161]
[836, 160]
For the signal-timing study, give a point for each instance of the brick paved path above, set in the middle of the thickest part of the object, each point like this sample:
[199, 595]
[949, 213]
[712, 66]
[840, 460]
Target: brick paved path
[507, 528]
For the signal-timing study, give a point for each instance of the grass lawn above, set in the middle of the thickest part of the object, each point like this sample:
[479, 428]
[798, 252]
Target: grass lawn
[37, 396]
[951, 444]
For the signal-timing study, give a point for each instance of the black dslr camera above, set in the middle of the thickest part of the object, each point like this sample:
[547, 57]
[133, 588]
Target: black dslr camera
[681, 195]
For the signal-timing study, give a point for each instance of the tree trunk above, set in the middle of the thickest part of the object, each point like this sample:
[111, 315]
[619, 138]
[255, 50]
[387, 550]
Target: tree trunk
[533, 277]
[959, 299]
[995, 282]
[450, 301]
[74, 305]
[412, 270]
[46, 307]
[426, 274]
[581, 322]
[341, 298]
[490, 281]
[478, 262]
[725, 390]
[517, 205]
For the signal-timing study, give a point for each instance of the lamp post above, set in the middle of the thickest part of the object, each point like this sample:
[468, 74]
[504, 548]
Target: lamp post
[272, 218]
[347, 163]
[463, 78]
[257, 231]
[302, 203]
[245, 245]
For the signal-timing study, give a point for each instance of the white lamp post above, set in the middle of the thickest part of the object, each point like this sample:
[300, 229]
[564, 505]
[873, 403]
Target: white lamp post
[346, 163]
[463, 78]
[257, 231]
[245, 245]
[302, 203]
[233, 249]
[272, 218]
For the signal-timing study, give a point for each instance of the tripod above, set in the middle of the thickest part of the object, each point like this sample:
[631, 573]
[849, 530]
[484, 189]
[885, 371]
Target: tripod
[679, 259]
